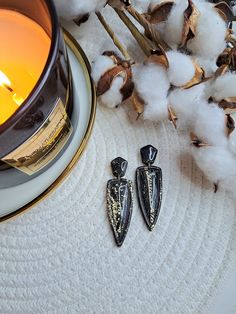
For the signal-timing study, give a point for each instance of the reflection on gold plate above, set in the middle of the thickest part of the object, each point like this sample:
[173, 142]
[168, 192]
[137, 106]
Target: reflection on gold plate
[82, 59]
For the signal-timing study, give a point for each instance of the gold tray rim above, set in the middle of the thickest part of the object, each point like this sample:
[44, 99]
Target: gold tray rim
[80, 55]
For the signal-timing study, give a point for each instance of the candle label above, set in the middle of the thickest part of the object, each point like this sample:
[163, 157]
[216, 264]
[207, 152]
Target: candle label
[44, 145]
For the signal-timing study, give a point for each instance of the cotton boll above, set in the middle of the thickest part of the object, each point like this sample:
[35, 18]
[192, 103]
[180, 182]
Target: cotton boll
[113, 86]
[73, 8]
[148, 79]
[215, 162]
[152, 84]
[184, 102]
[113, 97]
[181, 68]
[209, 41]
[209, 65]
[100, 66]
[174, 24]
[210, 126]
[224, 87]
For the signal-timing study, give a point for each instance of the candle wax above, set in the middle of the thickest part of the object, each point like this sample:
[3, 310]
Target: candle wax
[24, 49]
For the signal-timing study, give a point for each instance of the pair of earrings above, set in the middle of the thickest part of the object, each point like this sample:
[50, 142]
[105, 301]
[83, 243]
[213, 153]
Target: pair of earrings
[120, 193]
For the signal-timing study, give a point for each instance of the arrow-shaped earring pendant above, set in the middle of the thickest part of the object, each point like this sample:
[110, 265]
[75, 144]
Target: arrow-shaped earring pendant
[149, 186]
[119, 200]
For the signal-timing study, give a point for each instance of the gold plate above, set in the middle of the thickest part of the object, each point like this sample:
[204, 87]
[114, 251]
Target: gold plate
[80, 55]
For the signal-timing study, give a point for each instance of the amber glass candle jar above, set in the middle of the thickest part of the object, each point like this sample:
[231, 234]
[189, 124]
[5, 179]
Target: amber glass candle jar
[35, 90]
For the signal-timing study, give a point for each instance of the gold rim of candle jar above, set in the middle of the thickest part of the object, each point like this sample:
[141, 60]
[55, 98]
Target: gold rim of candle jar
[51, 59]
[81, 56]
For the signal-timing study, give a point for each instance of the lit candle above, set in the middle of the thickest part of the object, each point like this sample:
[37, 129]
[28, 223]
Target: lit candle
[23, 54]
[5, 82]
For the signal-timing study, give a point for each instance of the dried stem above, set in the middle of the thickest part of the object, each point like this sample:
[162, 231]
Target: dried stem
[232, 40]
[114, 38]
[148, 27]
[145, 44]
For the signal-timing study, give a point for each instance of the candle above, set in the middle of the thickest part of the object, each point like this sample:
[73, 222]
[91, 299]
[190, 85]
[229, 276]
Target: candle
[36, 94]
[23, 54]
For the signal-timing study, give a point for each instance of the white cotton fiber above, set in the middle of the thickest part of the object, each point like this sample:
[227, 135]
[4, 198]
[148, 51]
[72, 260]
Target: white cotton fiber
[181, 68]
[184, 102]
[156, 110]
[100, 66]
[209, 65]
[113, 97]
[224, 87]
[210, 33]
[229, 183]
[73, 8]
[210, 125]
[215, 162]
[174, 24]
[141, 5]
[232, 142]
[152, 84]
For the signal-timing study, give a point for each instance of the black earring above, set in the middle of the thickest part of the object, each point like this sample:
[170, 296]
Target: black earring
[119, 200]
[149, 186]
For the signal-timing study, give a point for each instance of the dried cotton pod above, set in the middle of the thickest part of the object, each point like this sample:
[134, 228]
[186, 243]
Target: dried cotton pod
[225, 11]
[174, 24]
[230, 124]
[113, 78]
[158, 12]
[191, 15]
[168, 18]
[227, 57]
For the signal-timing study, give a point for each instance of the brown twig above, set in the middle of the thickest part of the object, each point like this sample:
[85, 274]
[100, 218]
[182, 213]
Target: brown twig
[114, 38]
[145, 44]
[148, 27]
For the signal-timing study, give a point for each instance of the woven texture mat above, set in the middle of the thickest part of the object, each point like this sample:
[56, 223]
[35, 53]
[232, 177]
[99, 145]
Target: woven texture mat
[60, 257]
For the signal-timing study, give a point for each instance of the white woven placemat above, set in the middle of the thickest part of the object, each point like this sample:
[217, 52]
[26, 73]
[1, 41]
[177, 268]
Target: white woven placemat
[60, 257]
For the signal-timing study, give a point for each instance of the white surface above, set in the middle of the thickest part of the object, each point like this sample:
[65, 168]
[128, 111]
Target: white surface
[60, 257]
[15, 197]
[225, 299]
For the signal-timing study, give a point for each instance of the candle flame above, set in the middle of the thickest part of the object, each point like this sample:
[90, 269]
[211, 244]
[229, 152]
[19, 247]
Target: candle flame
[4, 81]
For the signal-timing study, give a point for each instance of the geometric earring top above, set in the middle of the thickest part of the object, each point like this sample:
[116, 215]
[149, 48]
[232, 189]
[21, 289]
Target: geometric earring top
[119, 167]
[148, 154]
